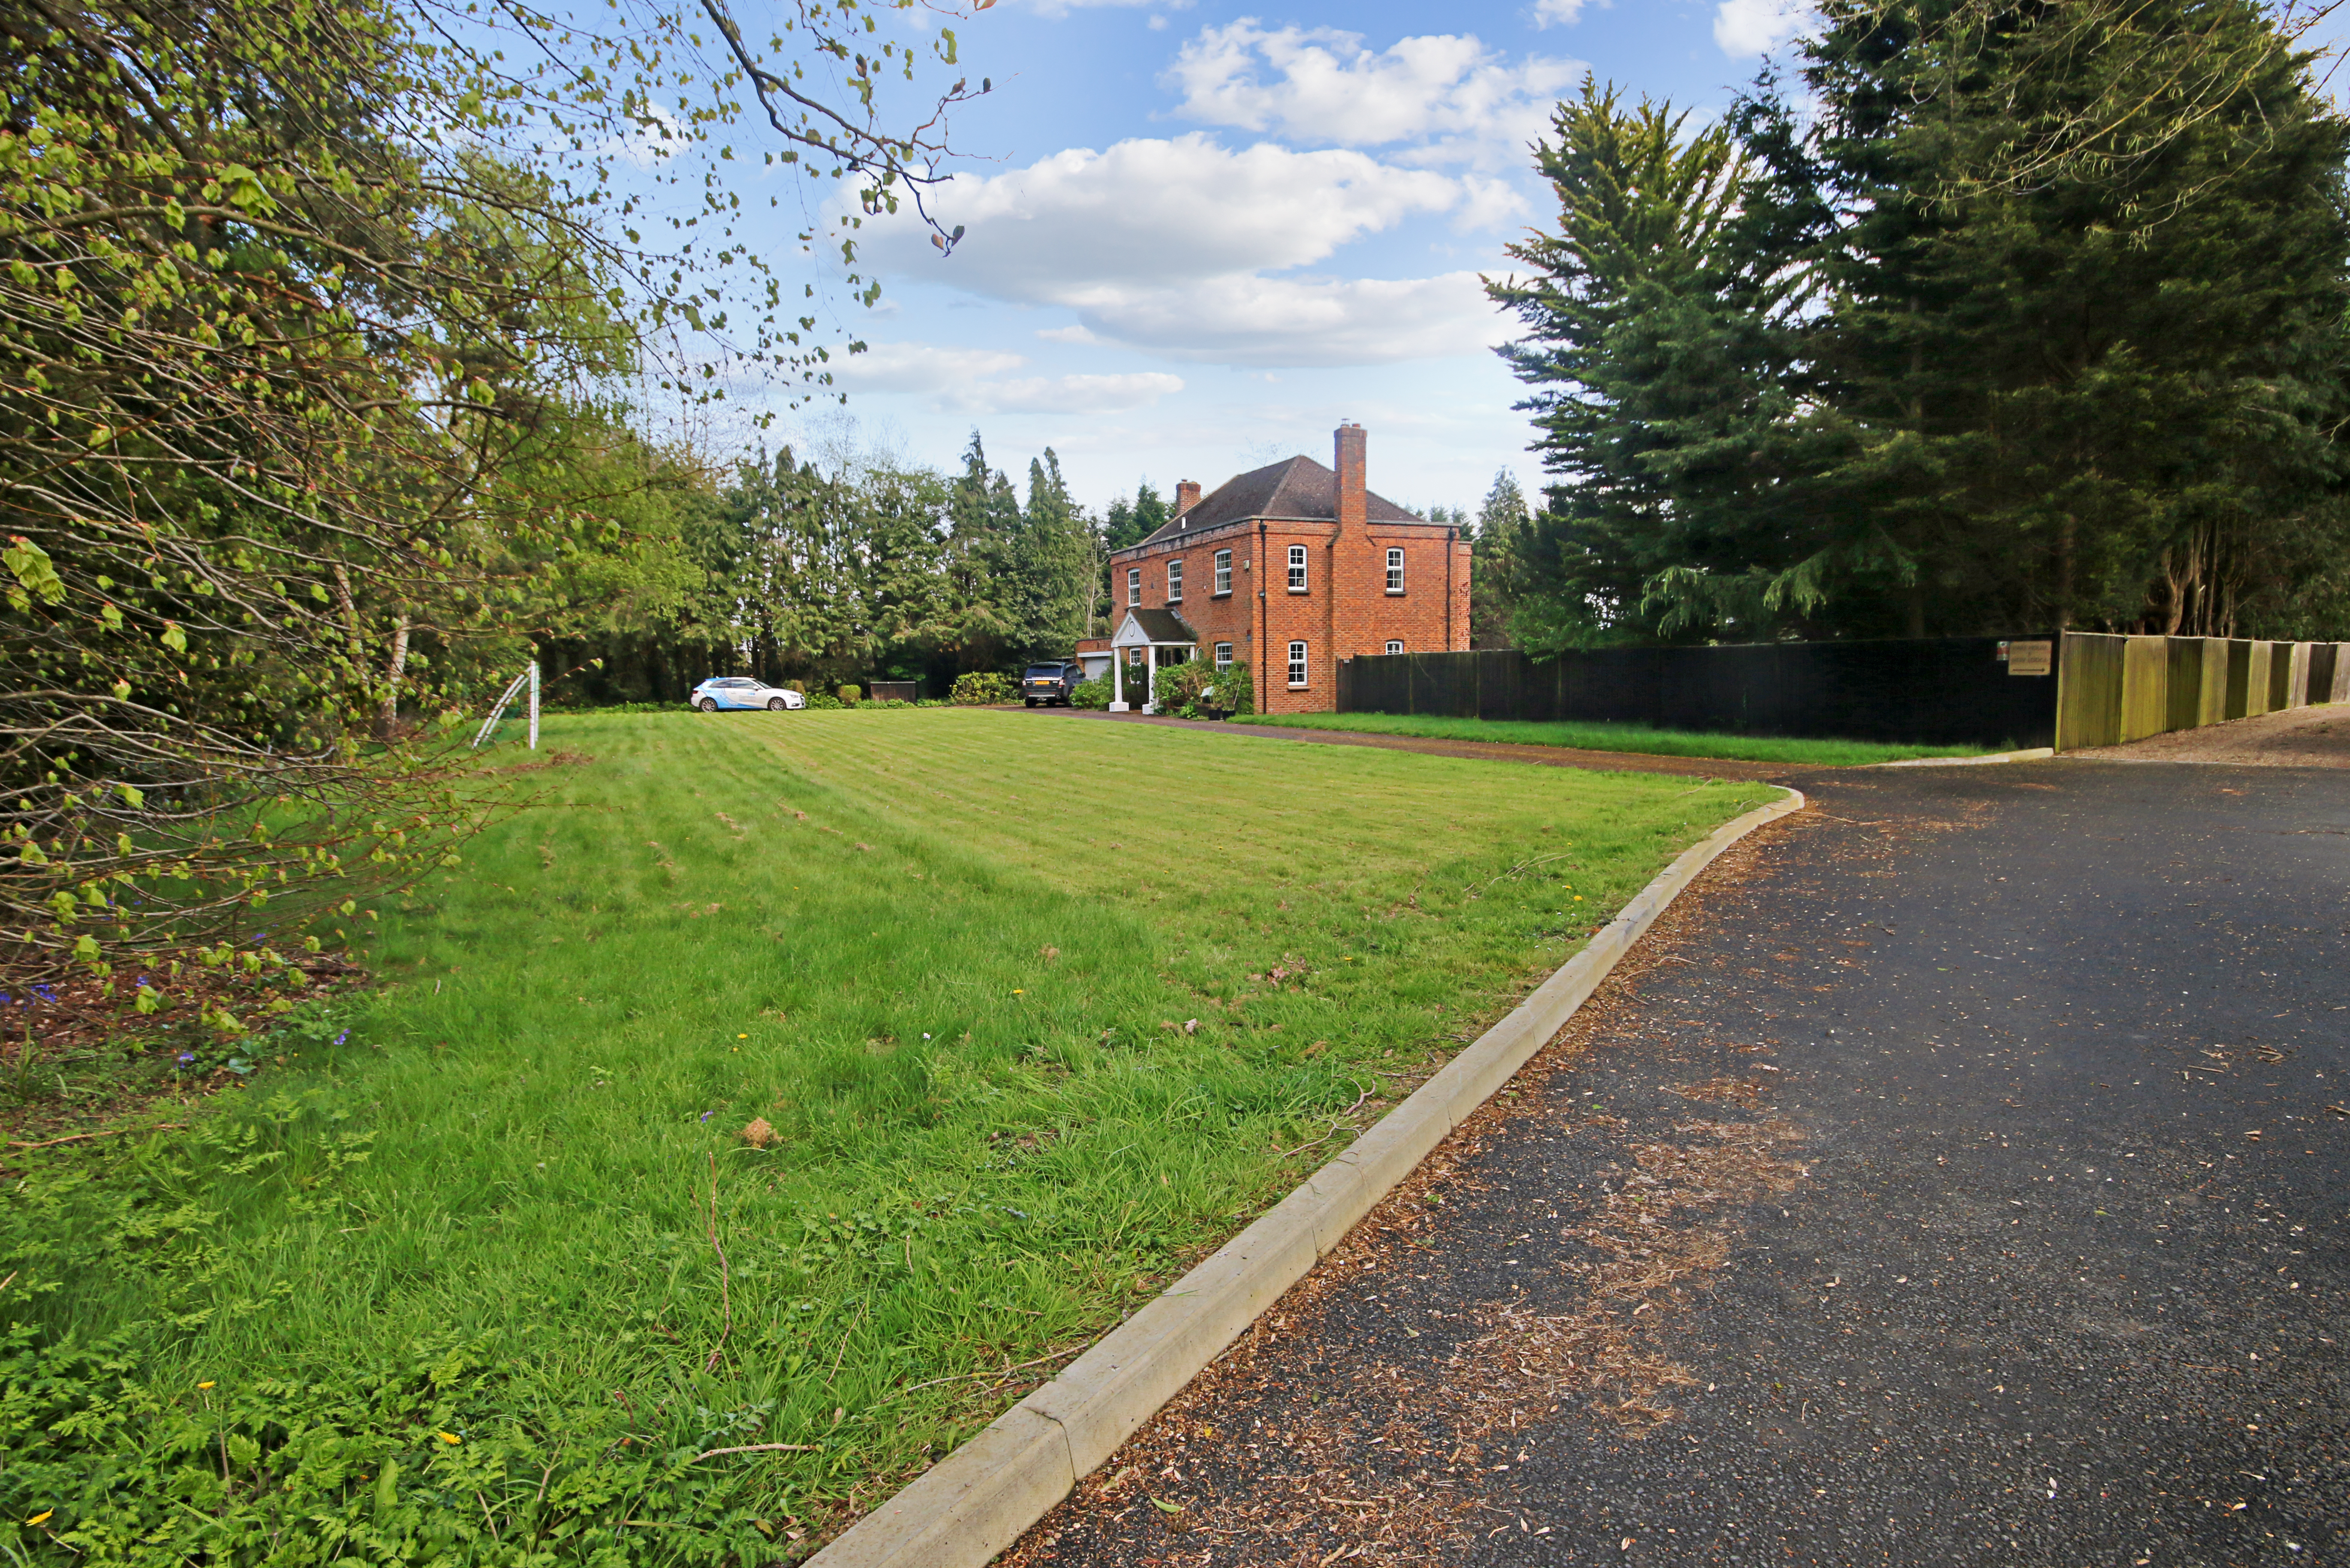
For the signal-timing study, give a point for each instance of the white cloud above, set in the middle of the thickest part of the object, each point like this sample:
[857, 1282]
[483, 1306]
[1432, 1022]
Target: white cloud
[1747, 27]
[1154, 211]
[1065, 394]
[1168, 245]
[1070, 333]
[919, 367]
[1558, 13]
[1248, 319]
[1446, 97]
[1058, 9]
[968, 381]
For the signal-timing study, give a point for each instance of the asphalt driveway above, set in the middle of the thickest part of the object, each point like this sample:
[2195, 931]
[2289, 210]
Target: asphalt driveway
[1956, 1176]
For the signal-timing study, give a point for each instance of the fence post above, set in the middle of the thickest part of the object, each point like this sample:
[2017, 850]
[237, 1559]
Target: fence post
[2089, 691]
[2146, 689]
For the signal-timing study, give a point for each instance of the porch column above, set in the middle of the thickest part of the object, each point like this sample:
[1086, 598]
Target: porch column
[1117, 681]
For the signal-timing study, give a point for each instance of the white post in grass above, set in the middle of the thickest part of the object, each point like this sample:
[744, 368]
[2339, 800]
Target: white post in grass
[505, 700]
[1117, 681]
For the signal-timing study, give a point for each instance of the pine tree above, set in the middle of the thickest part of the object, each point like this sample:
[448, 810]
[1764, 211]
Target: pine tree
[1060, 564]
[1150, 512]
[1497, 537]
[1654, 315]
[2033, 318]
[2082, 350]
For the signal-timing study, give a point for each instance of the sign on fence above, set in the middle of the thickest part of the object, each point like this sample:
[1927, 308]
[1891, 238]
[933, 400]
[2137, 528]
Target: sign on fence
[2035, 658]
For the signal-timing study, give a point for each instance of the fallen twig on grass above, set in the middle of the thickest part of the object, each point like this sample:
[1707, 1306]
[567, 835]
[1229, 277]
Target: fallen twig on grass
[1338, 1122]
[760, 1448]
[111, 1132]
[1526, 865]
[961, 1376]
[725, 1298]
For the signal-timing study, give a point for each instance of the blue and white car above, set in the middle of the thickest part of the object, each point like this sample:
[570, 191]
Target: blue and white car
[742, 692]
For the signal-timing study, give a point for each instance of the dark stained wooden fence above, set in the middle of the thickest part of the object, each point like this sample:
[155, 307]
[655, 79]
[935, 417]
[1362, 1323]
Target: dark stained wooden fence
[1941, 692]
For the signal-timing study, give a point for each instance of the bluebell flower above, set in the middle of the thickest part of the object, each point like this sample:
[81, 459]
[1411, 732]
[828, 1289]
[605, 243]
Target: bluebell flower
[343, 1036]
[186, 1058]
[707, 1114]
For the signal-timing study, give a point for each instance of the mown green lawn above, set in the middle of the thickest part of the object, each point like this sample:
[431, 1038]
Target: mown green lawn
[1637, 737]
[1036, 1009]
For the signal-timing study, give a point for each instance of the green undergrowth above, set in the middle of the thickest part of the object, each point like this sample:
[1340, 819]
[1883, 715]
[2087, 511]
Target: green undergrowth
[1033, 1013]
[1637, 738]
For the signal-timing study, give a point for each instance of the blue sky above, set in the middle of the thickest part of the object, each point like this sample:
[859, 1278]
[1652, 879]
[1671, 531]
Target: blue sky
[1200, 235]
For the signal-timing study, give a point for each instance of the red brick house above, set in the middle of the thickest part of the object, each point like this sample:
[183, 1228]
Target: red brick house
[1286, 570]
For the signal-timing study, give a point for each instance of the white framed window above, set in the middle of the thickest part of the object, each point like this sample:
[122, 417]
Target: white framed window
[1175, 582]
[1395, 580]
[1297, 568]
[1133, 584]
[1223, 656]
[1395, 646]
[1223, 573]
[1297, 661]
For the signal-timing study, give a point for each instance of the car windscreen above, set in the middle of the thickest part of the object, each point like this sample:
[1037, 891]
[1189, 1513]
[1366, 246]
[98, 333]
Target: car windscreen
[1044, 671]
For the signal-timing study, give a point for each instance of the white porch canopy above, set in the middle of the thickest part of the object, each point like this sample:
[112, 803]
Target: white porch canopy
[1145, 629]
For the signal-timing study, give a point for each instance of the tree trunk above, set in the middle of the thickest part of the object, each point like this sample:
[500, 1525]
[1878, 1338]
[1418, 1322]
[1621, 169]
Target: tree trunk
[386, 717]
[2065, 533]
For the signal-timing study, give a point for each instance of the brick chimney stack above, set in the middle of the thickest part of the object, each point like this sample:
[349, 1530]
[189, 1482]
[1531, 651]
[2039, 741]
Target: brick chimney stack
[1348, 463]
[1187, 495]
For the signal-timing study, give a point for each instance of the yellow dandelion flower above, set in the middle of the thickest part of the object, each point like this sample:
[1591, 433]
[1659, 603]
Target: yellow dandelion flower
[203, 1385]
[452, 1439]
[40, 1516]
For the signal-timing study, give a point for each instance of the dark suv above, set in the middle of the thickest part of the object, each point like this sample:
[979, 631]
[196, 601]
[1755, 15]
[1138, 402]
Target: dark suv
[1050, 683]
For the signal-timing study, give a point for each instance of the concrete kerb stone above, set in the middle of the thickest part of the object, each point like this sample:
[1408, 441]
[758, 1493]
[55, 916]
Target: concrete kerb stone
[977, 1501]
[1017, 1467]
[2029, 754]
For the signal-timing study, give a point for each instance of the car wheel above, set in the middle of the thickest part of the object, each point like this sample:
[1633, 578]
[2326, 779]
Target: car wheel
[708, 705]
[1031, 701]
[775, 704]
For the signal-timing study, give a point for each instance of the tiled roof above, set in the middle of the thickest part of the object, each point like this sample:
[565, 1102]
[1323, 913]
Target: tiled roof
[1296, 487]
[1161, 625]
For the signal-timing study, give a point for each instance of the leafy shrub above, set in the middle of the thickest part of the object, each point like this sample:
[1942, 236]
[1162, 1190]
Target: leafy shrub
[1235, 689]
[1184, 690]
[1090, 693]
[981, 687]
[848, 696]
[824, 701]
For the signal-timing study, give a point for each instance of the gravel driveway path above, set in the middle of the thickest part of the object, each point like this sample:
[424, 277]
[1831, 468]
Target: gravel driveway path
[2297, 737]
[1956, 1176]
